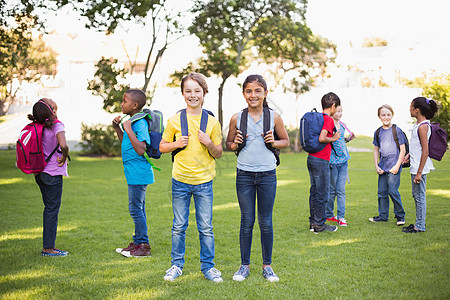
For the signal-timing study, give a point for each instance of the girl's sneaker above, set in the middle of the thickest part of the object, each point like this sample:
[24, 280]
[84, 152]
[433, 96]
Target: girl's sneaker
[242, 273]
[270, 275]
[333, 219]
[58, 253]
[214, 275]
[342, 222]
[173, 273]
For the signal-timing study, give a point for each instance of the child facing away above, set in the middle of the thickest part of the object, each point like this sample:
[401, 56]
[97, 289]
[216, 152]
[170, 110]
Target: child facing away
[50, 180]
[138, 172]
[388, 160]
[256, 172]
[338, 171]
[319, 167]
[192, 176]
[423, 110]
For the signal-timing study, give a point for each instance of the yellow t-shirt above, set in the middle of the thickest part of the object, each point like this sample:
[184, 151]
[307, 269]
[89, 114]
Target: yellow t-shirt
[193, 165]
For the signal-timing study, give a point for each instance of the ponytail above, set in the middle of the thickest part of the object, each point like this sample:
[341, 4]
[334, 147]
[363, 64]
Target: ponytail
[42, 113]
[428, 107]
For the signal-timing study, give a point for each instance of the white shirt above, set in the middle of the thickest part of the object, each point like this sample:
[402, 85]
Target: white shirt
[415, 150]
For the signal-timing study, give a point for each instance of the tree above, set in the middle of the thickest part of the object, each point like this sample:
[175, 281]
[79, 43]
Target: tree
[234, 33]
[107, 16]
[374, 42]
[22, 58]
[438, 89]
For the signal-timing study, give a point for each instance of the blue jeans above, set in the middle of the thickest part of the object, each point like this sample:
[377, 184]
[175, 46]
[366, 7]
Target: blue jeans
[319, 174]
[51, 190]
[136, 206]
[419, 195]
[338, 177]
[388, 185]
[248, 185]
[203, 201]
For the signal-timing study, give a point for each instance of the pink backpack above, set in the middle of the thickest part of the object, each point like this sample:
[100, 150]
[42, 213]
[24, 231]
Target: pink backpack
[29, 151]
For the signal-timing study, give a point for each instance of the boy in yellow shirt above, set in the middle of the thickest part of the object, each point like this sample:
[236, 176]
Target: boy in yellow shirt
[192, 175]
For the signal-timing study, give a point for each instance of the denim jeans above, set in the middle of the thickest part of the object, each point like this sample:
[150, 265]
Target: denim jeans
[203, 201]
[248, 186]
[419, 195]
[136, 206]
[319, 174]
[51, 190]
[388, 185]
[338, 177]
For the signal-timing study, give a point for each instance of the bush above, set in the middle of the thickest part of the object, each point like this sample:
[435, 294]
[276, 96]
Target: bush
[99, 139]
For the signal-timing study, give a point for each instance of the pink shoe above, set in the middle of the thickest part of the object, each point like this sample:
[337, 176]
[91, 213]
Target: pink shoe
[342, 222]
[333, 219]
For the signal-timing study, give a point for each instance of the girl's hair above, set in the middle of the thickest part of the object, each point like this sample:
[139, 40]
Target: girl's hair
[199, 78]
[42, 113]
[387, 106]
[329, 99]
[427, 107]
[260, 80]
[137, 96]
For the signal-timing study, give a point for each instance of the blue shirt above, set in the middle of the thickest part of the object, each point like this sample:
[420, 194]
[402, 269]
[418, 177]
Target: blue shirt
[388, 149]
[255, 157]
[340, 147]
[136, 167]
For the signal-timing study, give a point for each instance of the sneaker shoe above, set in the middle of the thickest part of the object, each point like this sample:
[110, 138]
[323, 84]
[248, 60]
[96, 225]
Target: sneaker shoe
[214, 275]
[129, 248]
[411, 230]
[408, 227]
[333, 219]
[400, 221]
[311, 228]
[270, 275]
[61, 251]
[173, 273]
[242, 273]
[141, 251]
[342, 222]
[58, 253]
[323, 228]
[377, 219]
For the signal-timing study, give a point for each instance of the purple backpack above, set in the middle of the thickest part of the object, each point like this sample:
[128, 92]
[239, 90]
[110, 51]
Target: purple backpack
[437, 144]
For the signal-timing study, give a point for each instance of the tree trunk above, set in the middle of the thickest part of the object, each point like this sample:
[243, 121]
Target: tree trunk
[219, 108]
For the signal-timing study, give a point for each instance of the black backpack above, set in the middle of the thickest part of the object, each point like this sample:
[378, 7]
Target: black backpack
[185, 129]
[394, 135]
[266, 127]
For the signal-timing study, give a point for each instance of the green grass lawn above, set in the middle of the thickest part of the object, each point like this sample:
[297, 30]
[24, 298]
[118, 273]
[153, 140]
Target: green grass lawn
[363, 260]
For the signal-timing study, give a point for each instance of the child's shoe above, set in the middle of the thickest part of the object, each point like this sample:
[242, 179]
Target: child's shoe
[214, 275]
[269, 274]
[173, 273]
[411, 229]
[129, 248]
[242, 273]
[58, 253]
[400, 221]
[342, 222]
[333, 219]
[377, 219]
[325, 227]
[142, 250]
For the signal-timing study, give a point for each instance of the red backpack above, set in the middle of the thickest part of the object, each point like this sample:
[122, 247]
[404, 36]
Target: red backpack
[29, 151]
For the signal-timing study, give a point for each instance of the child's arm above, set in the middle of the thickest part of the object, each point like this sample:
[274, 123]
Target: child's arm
[401, 156]
[215, 150]
[61, 137]
[116, 126]
[234, 137]
[138, 146]
[166, 147]
[376, 155]
[283, 140]
[422, 131]
[323, 138]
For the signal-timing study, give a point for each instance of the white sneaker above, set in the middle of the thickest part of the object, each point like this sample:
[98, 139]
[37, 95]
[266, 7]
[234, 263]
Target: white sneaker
[173, 273]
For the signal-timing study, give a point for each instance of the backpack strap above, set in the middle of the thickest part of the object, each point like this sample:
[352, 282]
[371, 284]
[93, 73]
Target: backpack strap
[395, 136]
[243, 128]
[266, 127]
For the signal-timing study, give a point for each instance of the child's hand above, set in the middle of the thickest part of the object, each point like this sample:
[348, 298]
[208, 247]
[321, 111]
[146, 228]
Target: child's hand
[204, 138]
[183, 141]
[238, 139]
[379, 170]
[336, 135]
[349, 138]
[406, 159]
[61, 160]
[418, 178]
[269, 137]
[127, 126]
[394, 170]
[116, 121]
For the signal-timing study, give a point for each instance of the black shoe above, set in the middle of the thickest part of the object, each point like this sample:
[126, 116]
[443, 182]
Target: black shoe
[311, 228]
[377, 219]
[411, 229]
[400, 220]
[411, 226]
[323, 228]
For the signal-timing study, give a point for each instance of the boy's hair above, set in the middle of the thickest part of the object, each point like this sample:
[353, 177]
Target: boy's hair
[137, 96]
[329, 99]
[199, 78]
[260, 80]
[387, 106]
[42, 113]
[427, 107]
